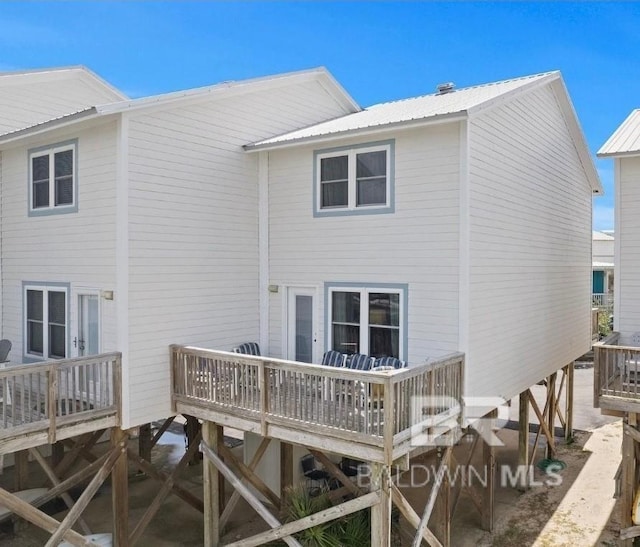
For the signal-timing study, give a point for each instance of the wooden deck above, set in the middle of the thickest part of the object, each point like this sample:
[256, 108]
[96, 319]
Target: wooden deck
[374, 416]
[46, 402]
[616, 375]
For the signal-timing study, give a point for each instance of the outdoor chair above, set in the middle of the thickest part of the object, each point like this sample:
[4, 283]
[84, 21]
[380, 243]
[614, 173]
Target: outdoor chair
[5, 393]
[248, 348]
[317, 479]
[359, 361]
[332, 358]
[5, 348]
[629, 365]
[389, 362]
[349, 466]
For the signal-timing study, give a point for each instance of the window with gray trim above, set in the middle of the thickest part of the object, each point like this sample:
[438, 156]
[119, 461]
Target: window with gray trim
[52, 178]
[355, 179]
[46, 321]
[366, 320]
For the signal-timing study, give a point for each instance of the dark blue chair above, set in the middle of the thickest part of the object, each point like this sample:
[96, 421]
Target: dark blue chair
[332, 358]
[359, 361]
[389, 362]
[248, 348]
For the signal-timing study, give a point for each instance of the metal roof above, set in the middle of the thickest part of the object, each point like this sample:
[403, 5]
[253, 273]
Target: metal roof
[320, 74]
[603, 265]
[423, 108]
[625, 140]
[601, 236]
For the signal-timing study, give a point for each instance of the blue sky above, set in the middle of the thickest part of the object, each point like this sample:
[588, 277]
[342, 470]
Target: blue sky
[379, 51]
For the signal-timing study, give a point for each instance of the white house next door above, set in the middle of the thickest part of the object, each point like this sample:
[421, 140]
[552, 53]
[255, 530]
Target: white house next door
[301, 328]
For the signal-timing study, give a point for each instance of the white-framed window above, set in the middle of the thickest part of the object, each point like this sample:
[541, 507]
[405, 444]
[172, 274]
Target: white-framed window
[370, 319]
[46, 319]
[354, 180]
[53, 179]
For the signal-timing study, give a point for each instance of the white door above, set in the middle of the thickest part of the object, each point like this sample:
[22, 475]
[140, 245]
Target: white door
[87, 341]
[90, 383]
[301, 334]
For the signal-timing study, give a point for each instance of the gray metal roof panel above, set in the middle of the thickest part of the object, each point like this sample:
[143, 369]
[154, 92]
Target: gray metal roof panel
[625, 139]
[406, 110]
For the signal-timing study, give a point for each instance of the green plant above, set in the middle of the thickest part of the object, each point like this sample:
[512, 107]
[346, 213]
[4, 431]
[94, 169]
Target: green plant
[604, 325]
[350, 531]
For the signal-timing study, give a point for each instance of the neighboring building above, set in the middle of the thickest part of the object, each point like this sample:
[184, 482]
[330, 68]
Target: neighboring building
[413, 228]
[624, 147]
[617, 358]
[602, 262]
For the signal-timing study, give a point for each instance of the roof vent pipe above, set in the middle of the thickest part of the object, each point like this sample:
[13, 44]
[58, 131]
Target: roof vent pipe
[443, 89]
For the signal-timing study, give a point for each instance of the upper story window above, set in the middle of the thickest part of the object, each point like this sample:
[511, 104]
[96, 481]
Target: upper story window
[46, 321]
[354, 180]
[53, 179]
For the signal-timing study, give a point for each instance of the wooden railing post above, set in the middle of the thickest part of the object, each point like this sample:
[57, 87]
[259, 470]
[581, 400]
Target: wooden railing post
[263, 386]
[117, 388]
[596, 375]
[52, 397]
[388, 427]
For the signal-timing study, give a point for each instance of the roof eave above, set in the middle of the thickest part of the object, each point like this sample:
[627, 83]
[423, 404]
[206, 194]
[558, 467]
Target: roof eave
[405, 124]
[83, 115]
[619, 154]
[580, 143]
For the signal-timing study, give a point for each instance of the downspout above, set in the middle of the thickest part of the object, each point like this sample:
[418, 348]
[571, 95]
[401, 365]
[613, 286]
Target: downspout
[263, 250]
[122, 261]
[464, 249]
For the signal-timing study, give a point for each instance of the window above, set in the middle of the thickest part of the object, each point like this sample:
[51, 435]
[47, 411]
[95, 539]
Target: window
[45, 321]
[356, 180]
[52, 175]
[367, 320]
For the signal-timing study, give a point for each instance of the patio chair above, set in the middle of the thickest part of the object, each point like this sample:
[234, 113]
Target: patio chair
[5, 348]
[248, 348]
[629, 365]
[359, 361]
[389, 362]
[317, 479]
[333, 358]
[349, 466]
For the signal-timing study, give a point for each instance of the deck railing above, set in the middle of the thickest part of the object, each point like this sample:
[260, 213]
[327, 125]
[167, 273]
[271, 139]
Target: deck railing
[47, 397]
[616, 374]
[602, 301]
[331, 401]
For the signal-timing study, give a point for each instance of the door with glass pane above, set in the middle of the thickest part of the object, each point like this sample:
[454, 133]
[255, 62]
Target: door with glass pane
[87, 342]
[301, 333]
[88, 339]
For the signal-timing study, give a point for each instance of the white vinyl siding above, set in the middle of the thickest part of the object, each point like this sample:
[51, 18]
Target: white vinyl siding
[416, 246]
[627, 266]
[27, 99]
[530, 247]
[77, 249]
[193, 227]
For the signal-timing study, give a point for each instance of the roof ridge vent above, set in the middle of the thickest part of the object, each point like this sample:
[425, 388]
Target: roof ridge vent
[443, 89]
